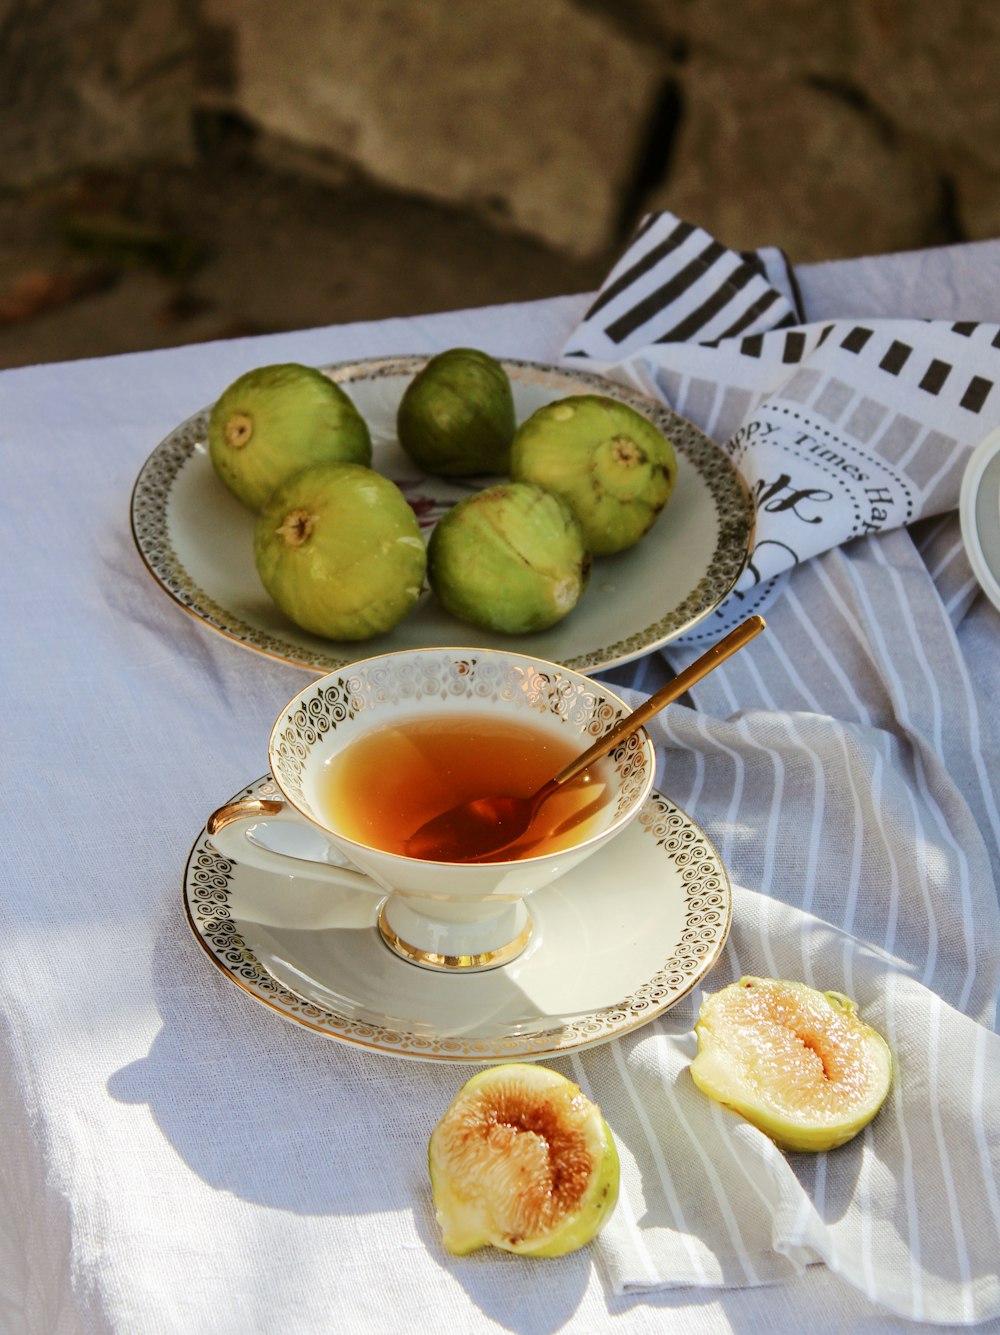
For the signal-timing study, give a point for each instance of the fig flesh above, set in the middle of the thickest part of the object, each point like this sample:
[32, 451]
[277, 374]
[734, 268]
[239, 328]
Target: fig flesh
[340, 551]
[509, 558]
[522, 1160]
[800, 1064]
[275, 420]
[612, 466]
[456, 416]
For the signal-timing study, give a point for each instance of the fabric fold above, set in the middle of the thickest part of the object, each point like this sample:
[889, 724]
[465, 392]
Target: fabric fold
[841, 428]
[844, 765]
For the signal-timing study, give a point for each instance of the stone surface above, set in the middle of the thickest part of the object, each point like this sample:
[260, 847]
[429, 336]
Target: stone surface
[799, 37]
[831, 127]
[523, 112]
[763, 160]
[931, 68]
[93, 83]
[976, 197]
[280, 252]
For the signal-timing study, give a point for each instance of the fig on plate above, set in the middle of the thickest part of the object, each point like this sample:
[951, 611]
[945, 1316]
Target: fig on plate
[611, 465]
[275, 420]
[340, 551]
[522, 1160]
[456, 416]
[509, 558]
[800, 1064]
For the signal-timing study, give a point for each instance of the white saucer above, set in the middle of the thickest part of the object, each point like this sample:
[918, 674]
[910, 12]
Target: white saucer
[616, 942]
[979, 512]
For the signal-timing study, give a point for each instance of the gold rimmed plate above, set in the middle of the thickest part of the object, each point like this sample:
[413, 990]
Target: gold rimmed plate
[196, 539]
[616, 942]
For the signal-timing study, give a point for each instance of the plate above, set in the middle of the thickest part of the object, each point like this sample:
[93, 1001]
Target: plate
[616, 942]
[979, 513]
[197, 539]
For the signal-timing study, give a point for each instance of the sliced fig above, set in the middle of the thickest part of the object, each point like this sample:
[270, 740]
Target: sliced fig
[522, 1160]
[611, 465]
[340, 551]
[800, 1064]
[509, 558]
[274, 420]
[456, 416]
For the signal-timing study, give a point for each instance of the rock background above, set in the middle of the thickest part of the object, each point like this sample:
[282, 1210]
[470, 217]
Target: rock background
[540, 130]
[830, 127]
[94, 83]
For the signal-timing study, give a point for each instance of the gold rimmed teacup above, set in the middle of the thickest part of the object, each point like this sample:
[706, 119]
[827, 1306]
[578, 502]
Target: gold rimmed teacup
[447, 916]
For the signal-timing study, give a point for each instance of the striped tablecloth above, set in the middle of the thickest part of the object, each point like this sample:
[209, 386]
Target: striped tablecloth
[847, 765]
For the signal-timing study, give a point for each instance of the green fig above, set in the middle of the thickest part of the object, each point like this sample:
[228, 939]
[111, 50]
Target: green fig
[340, 551]
[456, 416]
[801, 1065]
[275, 420]
[611, 465]
[522, 1160]
[510, 558]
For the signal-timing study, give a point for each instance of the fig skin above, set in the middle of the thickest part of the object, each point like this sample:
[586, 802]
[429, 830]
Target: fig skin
[340, 551]
[611, 465]
[456, 416]
[522, 1160]
[274, 421]
[509, 558]
[800, 1064]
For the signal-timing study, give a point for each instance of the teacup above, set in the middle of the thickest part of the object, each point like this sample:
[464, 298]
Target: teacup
[446, 915]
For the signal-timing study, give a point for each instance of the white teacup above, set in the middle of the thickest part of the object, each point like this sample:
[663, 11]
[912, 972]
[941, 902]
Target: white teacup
[441, 915]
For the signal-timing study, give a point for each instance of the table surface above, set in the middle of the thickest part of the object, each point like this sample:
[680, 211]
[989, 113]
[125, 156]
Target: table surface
[125, 1059]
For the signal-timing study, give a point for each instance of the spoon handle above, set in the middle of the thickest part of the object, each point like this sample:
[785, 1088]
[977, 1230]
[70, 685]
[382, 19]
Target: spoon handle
[701, 667]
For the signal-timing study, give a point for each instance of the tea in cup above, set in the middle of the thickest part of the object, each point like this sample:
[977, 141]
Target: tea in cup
[366, 755]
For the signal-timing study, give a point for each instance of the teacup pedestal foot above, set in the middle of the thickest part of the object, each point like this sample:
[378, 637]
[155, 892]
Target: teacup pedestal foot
[454, 947]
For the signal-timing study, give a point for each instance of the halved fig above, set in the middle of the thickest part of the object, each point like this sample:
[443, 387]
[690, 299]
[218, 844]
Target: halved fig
[800, 1064]
[522, 1160]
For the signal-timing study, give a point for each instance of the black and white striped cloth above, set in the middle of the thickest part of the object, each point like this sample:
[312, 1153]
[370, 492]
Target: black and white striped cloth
[677, 284]
[847, 766]
[842, 428]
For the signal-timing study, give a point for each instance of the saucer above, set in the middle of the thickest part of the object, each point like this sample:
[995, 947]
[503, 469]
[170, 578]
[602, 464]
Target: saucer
[616, 942]
[979, 513]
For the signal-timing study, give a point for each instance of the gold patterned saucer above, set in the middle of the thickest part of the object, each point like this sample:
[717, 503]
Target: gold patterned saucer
[196, 539]
[616, 942]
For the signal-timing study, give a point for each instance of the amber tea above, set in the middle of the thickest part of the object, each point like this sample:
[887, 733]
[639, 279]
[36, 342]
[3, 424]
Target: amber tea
[386, 784]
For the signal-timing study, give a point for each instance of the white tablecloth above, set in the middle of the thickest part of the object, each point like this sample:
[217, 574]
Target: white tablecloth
[145, 1183]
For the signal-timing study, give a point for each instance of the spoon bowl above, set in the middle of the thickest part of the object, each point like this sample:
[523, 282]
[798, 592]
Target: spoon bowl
[488, 828]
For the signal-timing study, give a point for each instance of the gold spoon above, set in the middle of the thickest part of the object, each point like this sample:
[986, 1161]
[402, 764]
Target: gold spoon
[484, 826]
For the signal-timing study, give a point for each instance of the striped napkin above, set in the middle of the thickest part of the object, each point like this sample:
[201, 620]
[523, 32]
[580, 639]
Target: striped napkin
[847, 766]
[841, 428]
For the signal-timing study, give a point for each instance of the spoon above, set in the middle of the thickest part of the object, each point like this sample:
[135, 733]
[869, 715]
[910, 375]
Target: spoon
[481, 828]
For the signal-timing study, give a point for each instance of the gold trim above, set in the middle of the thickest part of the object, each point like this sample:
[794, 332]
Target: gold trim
[734, 507]
[247, 806]
[313, 709]
[430, 959]
[206, 911]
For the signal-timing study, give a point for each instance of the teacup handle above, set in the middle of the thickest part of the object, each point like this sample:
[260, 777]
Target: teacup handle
[231, 829]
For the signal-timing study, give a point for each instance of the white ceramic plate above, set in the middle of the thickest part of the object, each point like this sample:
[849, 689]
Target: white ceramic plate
[616, 942]
[979, 512]
[197, 539]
